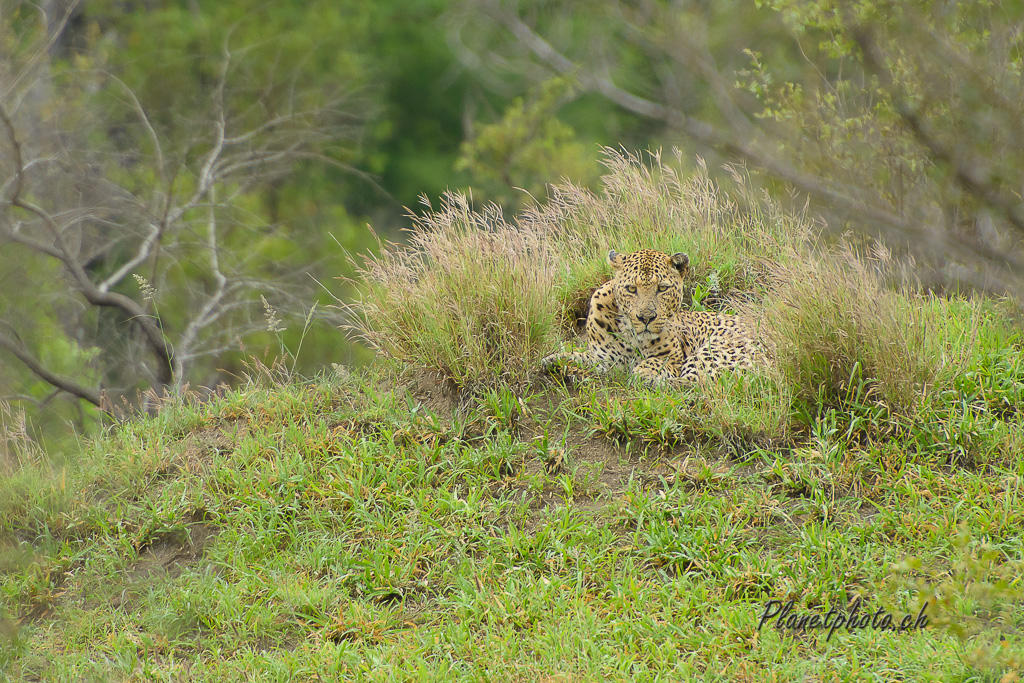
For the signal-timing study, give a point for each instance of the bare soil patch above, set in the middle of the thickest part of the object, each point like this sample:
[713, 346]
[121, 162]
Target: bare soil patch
[173, 553]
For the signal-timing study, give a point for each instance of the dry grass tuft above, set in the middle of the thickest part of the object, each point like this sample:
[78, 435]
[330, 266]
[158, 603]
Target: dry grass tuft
[17, 447]
[463, 297]
[843, 319]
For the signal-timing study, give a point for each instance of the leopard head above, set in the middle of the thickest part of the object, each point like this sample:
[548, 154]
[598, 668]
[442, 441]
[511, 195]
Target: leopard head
[648, 288]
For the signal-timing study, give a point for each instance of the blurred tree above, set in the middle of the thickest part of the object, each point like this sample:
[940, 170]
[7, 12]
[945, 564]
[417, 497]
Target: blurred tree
[355, 109]
[903, 118]
[141, 239]
[516, 157]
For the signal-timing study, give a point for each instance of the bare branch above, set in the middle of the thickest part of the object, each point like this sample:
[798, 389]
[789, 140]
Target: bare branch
[19, 164]
[143, 253]
[41, 247]
[153, 137]
[154, 335]
[208, 313]
[71, 204]
[205, 177]
[267, 125]
[63, 383]
[228, 169]
[43, 49]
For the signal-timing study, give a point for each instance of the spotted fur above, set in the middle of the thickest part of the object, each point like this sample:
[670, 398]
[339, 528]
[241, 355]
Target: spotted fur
[636, 322]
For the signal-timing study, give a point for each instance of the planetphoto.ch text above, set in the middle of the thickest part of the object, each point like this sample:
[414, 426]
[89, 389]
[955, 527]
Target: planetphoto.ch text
[781, 614]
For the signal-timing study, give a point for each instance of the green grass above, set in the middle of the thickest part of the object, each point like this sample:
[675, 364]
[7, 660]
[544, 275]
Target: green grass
[454, 516]
[341, 528]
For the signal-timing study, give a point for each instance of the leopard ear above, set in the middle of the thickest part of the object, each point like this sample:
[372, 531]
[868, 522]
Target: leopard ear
[615, 258]
[679, 261]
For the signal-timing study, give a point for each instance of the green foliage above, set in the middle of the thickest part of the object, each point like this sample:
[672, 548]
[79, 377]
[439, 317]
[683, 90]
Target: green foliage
[515, 158]
[978, 602]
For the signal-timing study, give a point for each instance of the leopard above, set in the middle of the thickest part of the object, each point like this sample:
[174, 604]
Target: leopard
[636, 322]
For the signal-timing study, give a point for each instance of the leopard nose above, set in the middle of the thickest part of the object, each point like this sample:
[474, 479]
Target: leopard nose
[646, 318]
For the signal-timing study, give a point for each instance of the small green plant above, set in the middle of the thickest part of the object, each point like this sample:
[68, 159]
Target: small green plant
[503, 407]
[980, 600]
[710, 289]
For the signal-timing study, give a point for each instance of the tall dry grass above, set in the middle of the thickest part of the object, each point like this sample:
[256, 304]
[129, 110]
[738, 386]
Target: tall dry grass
[17, 447]
[462, 297]
[477, 298]
[729, 231]
[843, 319]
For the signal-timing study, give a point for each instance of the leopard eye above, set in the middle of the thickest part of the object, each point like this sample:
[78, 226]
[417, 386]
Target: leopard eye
[631, 289]
[662, 288]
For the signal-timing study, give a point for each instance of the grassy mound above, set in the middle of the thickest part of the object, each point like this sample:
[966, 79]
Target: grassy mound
[375, 526]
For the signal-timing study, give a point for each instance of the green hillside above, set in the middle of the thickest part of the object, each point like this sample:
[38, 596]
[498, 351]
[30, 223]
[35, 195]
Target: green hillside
[448, 514]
